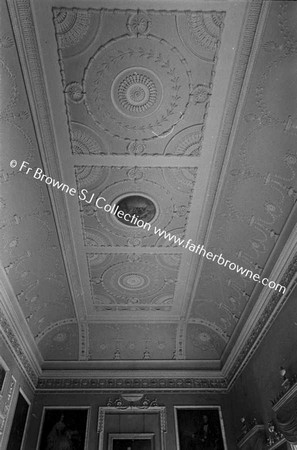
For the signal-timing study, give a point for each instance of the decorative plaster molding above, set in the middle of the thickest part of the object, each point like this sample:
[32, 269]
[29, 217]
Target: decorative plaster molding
[14, 328]
[51, 327]
[284, 398]
[256, 429]
[25, 35]
[4, 414]
[128, 384]
[17, 349]
[83, 341]
[266, 317]
[120, 405]
[27, 44]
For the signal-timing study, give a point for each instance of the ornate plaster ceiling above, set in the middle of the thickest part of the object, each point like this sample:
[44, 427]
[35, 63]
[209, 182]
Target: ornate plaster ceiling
[185, 110]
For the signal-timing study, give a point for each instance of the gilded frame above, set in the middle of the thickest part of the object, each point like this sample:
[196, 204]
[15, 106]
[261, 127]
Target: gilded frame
[189, 420]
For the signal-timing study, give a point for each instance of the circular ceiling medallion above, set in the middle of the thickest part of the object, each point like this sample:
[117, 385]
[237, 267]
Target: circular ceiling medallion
[142, 208]
[133, 281]
[136, 92]
[137, 89]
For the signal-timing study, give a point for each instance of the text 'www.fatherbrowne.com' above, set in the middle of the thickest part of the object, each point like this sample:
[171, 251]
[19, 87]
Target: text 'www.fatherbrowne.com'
[101, 203]
[219, 259]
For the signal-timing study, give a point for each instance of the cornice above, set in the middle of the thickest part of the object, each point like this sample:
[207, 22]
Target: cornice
[265, 311]
[24, 358]
[118, 384]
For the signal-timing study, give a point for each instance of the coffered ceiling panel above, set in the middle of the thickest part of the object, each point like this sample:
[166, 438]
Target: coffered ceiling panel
[166, 204]
[135, 282]
[132, 341]
[131, 77]
[179, 116]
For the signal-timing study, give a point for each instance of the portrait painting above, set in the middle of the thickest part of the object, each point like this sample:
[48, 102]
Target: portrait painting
[19, 422]
[131, 441]
[199, 428]
[64, 429]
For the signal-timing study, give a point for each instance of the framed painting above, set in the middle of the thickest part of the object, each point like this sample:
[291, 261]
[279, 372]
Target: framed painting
[131, 441]
[64, 428]
[19, 423]
[199, 428]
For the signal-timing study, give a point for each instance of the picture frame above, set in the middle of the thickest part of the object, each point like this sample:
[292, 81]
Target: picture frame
[199, 427]
[19, 422]
[131, 441]
[158, 412]
[62, 425]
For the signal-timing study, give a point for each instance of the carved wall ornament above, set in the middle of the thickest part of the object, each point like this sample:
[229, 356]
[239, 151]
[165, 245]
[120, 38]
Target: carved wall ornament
[71, 26]
[135, 92]
[91, 177]
[75, 92]
[273, 434]
[112, 384]
[136, 147]
[275, 78]
[9, 89]
[139, 23]
[6, 41]
[181, 210]
[271, 46]
[134, 257]
[135, 174]
[60, 336]
[187, 142]
[85, 141]
[205, 336]
[126, 401]
[200, 94]
[134, 242]
[200, 32]
[122, 405]
[205, 28]
[62, 344]
[286, 25]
